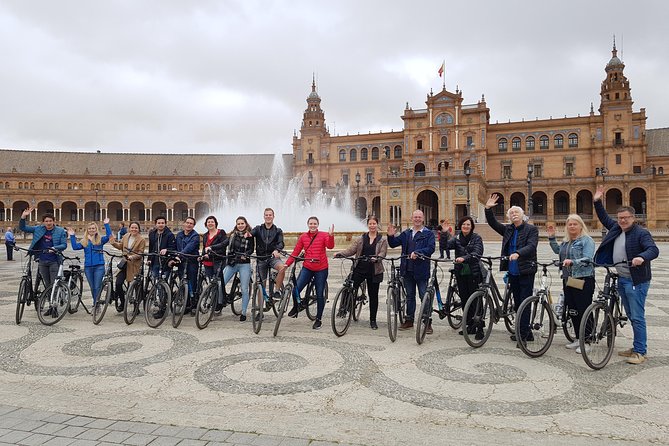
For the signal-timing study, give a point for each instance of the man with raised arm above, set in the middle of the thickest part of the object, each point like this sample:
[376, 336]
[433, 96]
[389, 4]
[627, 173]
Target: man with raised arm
[48, 239]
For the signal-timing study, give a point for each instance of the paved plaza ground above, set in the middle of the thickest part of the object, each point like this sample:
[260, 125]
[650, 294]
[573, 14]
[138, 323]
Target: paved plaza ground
[80, 384]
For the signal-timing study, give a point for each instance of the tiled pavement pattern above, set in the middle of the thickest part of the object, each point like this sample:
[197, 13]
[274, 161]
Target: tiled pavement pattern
[76, 383]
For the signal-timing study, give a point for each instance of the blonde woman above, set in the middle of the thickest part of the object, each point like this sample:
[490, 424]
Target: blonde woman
[578, 272]
[131, 245]
[94, 260]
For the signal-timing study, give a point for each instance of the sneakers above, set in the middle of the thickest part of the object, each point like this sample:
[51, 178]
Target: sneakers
[317, 324]
[626, 353]
[373, 325]
[530, 338]
[636, 358]
[587, 349]
[479, 334]
[572, 345]
[429, 330]
[406, 325]
[293, 312]
[219, 307]
[242, 318]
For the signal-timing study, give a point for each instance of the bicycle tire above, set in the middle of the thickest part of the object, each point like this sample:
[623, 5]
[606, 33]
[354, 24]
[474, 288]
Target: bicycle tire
[568, 327]
[38, 291]
[275, 300]
[206, 305]
[508, 311]
[179, 303]
[61, 298]
[285, 298]
[454, 314]
[542, 326]
[482, 319]
[342, 311]
[102, 301]
[157, 304]
[133, 297]
[360, 299]
[392, 301]
[402, 305]
[21, 298]
[236, 297]
[597, 335]
[257, 308]
[311, 301]
[424, 316]
[76, 289]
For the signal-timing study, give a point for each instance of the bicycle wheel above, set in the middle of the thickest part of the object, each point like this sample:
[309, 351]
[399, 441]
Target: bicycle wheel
[257, 307]
[477, 331]
[179, 303]
[360, 299]
[102, 301]
[52, 310]
[133, 297]
[157, 304]
[508, 311]
[22, 298]
[206, 305]
[342, 311]
[311, 302]
[76, 288]
[597, 335]
[392, 303]
[568, 324]
[285, 298]
[274, 301]
[424, 316]
[402, 305]
[542, 327]
[453, 308]
[235, 297]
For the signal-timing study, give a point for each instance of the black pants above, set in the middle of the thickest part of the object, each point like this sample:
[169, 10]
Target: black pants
[577, 301]
[10, 250]
[466, 287]
[372, 292]
[521, 289]
[442, 248]
[120, 278]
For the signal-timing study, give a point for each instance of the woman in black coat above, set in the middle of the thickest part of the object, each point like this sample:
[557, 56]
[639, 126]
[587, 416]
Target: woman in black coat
[468, 247]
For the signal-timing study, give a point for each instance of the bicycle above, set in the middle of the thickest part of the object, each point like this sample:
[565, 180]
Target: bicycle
[290, 291]
[180, 291]
[487, 307]
[27, 292]
[107, 292]
[543, 320]
[211, 295]
[347, 302]
[396, 297]
[159, 296]
[135, 295]
[598, 326]
[452, 306]
[64, 294]
[263, 299]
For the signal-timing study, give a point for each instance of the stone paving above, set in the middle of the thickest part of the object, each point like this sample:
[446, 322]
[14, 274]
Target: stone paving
[77, 383]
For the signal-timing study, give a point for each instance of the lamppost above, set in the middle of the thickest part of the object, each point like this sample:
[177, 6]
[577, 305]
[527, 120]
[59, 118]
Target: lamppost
[468, 172]
[530, 171]
[97, 207]
[357, 199]
[310, 180]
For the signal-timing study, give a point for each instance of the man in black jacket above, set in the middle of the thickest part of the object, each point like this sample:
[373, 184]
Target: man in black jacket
[626, 240]
[161, 239]
[269, 241]
[519, 244]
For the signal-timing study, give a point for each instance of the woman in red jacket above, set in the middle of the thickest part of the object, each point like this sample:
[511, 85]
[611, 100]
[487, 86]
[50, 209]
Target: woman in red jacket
[313, 243]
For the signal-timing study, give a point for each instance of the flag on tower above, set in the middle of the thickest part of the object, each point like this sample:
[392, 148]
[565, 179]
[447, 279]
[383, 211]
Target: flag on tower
[442, 68]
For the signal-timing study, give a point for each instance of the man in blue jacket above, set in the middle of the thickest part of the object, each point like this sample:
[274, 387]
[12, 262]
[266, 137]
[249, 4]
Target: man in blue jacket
[415, 241]
[47, 239]
[628, 241]
[188, 242]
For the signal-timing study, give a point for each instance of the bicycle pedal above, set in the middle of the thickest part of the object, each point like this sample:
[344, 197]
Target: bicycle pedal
[623, 318]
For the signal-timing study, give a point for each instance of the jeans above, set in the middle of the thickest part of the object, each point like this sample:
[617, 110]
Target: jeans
[320, 278]
[410, 283]
[521, 289]
[191, 275]
[634, 301]
[244, 270]
[94, 275]
[49, 272]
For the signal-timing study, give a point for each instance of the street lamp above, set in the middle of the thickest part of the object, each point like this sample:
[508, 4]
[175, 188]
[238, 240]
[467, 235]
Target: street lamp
[530, 171]
[357, 199]
[468, 172]
[97, 208]
[310, 180]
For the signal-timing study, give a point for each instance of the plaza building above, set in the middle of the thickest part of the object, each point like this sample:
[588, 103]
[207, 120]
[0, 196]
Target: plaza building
[449, 158]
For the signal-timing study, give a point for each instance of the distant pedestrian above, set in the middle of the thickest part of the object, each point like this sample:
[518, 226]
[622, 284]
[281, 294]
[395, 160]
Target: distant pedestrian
[9, 243]
[122, 230]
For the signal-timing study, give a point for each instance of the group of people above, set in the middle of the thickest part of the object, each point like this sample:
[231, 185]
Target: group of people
[625, 241]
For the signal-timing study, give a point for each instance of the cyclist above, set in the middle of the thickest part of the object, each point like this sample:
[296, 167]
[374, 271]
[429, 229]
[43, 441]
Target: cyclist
[94, 260]
[269, 241]
[215, 240]
[314, 243]
[132, 246]
[417, 240]
[161, 240]
[47, 238]
[241, 245]
[576, 253]
[626, 240]
[188, 242]
[370, 244]
[519, 244]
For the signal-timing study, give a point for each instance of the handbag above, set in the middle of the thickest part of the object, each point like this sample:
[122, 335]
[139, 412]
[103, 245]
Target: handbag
[573, 282]
[122, 264]
[465, 269]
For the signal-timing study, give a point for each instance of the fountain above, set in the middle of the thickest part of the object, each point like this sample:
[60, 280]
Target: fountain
[286, 197]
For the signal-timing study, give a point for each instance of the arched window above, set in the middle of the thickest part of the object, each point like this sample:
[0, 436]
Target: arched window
[375, 153]
[444, 142]
[136, 186]
[69, 186]
[419, 170]
[543, 142]
[190, 187]
[342, 155]
[363, 154]
[115, 186]
[502, 144]
[45, 186]
[20, 185]
[558, 141]
[398, 152]
[386, 152]
[573, 140]
[143, 187]
[529, 143]
[515, 144]
[354, 155]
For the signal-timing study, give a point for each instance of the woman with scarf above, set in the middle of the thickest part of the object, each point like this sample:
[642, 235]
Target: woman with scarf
[240, 245]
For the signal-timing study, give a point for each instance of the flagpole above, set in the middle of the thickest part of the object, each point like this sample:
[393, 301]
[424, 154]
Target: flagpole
[443, 65]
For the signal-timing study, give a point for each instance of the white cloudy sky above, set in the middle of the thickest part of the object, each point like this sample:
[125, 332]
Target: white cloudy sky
[232, 76]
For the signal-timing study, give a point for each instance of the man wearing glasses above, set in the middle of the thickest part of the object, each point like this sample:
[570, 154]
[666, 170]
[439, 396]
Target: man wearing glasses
[628, 241]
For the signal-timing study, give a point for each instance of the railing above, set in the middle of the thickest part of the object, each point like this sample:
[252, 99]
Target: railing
[618, 143]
